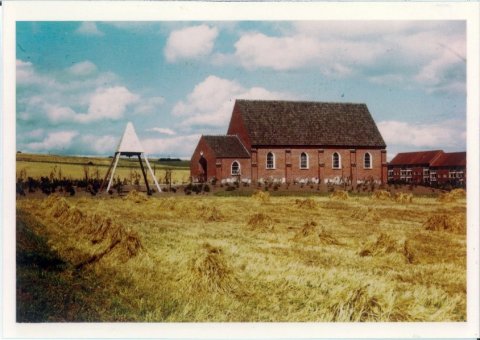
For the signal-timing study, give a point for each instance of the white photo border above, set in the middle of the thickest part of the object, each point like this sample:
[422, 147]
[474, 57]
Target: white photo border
[217, 11]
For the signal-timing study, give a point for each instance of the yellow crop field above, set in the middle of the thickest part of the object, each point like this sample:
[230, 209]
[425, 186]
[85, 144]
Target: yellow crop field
[259, 258]
[70, 167]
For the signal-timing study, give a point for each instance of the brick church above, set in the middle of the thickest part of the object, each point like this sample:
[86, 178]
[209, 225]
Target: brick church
[294, 141]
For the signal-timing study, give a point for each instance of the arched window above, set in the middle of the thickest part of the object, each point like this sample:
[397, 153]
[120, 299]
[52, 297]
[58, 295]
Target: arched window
[270, 160]
[336, 161]
[235, 168]
[303, 161]
[367, 160]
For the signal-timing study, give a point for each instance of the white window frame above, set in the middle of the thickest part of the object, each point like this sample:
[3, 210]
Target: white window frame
[371, 160]
[339, 160]
[273, 161]
[307, 161]
[239, 168]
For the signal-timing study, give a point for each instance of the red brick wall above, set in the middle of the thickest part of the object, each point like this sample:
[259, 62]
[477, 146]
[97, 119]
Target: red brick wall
[195, 168]
[225, 168]
[378, 169]
[287, 164]
[237, 127]
[278, 171]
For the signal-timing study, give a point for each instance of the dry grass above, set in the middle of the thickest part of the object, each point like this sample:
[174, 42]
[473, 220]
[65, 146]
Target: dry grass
[260, 221]
[307, 203]
[368, 214]
[210, 271]
[210, 213]
[136, 197]
[339, 195]
[261, 196]
[452, 196]
[453, 223]
[311, 233]
[108, 236]
[381, 195]
[401, 197]
[232, 259]
[381, 245]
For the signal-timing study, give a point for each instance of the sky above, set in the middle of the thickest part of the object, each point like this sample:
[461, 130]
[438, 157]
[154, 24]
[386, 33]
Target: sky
[79, 83]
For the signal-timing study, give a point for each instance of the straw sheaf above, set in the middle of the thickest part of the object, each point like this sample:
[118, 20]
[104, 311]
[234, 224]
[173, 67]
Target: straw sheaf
[366, 214]
[261, 196]
[381, 195]
[103, 232]
[452, 223]
[210, 272]
[261, 221]
[339, 195]
[403, 198]
[313, 234]
[307, 203]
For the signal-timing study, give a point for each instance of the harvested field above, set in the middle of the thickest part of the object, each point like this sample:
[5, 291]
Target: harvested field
[307, 203]
[206, 258]
[381, 195]
[339, 195]
[261, 196]
[401, 197]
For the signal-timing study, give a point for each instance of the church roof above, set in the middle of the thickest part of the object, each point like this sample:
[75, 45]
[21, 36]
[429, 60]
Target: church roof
[228, 146]
[275, 122]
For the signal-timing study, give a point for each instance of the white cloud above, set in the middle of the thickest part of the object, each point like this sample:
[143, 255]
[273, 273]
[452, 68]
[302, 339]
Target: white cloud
[182, 146]
[446, 134]
[331, 57]
[83, 68]
[164, 131]
[54, 141]
[429, 54]
[108, 103]
[190, 42]
[280, 53]
[58, 114]
[37, 133]
[211, 101]
[89, 28]
[80, 94]
[134, 26]
[99, 144]
[148, 105]
[25, 72]
[27, 76]
[387, 79]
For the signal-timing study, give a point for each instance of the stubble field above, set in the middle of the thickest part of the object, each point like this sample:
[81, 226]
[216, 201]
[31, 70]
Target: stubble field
[260, 258]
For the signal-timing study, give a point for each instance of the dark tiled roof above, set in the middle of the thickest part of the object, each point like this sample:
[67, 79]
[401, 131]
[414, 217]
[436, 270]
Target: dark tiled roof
[451, 159]
[415, 158]
[309, 123]
[227, 146]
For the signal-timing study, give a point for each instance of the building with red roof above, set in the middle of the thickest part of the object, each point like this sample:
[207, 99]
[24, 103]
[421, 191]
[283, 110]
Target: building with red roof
[294, 141]
[434, 167]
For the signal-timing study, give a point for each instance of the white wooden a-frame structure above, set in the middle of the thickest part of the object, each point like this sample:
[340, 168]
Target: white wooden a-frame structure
[130, 146]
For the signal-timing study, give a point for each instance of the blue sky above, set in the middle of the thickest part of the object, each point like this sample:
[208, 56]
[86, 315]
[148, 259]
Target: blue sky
[79, 83]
